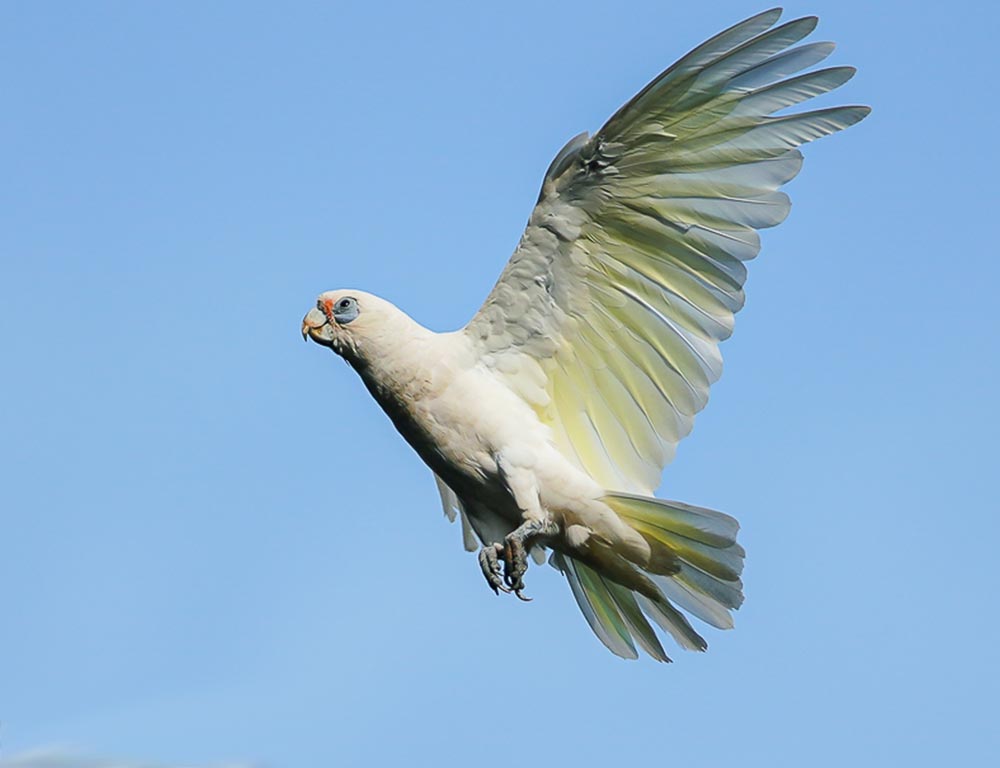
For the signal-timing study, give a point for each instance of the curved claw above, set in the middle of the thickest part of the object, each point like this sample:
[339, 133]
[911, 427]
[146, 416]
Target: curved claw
[515, 552]
[515, 563]
[489, 561]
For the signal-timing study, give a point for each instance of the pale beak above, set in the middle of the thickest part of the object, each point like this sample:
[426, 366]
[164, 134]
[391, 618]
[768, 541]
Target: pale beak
[314, 327]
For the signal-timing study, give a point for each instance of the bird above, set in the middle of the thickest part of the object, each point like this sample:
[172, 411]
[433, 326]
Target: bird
[547, 420]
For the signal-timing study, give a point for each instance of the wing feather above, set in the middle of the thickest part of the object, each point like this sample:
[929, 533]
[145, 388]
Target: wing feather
[632, 266]
[453, 506]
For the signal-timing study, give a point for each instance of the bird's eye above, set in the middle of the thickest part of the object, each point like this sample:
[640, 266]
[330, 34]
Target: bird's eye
[346, 310]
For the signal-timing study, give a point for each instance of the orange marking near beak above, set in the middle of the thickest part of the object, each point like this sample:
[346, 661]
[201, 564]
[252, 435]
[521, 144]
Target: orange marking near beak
[328, 308]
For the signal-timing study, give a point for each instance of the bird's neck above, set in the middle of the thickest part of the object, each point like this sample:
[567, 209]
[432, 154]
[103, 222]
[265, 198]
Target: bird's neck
[399, 364]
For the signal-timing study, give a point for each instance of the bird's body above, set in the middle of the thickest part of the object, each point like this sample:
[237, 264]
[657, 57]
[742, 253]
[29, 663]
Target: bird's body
[548, 419]
[433, 387]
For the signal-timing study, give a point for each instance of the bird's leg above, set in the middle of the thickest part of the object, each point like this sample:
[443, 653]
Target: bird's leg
[489, 561]
[518, 475]
[515, 551]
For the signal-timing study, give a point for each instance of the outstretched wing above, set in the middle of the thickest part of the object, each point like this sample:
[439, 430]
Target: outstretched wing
[609, 315]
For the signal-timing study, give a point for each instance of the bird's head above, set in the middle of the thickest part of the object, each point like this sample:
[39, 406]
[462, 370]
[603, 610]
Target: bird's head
[352, 323]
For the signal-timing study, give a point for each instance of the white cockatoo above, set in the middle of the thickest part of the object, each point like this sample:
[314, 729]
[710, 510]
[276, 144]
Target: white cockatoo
[549, 418]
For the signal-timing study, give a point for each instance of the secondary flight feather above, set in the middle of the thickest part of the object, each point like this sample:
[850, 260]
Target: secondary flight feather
[549, 418]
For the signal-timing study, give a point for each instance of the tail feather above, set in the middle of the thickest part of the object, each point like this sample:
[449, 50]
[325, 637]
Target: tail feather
[726, 593]
[631, 613]
[695, 602]
[610, 609]
[597, 605]
[705, 525]
[674, 623]
[725, 563]
[696, 565]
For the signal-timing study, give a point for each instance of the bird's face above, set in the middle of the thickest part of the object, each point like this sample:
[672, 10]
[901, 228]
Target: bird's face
[340, 320]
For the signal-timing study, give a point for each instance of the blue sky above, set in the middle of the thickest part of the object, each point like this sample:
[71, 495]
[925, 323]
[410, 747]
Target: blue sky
[214, 545]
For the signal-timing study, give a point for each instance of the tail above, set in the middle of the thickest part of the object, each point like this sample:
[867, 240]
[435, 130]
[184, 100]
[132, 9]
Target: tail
[695, 563]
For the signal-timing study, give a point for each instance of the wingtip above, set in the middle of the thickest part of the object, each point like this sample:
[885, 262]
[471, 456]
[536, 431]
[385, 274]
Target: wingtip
[811, 21]
[860, 112]
[847, 70]
[770, 17]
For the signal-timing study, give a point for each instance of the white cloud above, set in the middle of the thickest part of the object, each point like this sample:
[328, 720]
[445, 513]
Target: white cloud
[55, 758]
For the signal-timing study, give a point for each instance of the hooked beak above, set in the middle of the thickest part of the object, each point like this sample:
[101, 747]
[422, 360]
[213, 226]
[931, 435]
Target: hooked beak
[316, 326]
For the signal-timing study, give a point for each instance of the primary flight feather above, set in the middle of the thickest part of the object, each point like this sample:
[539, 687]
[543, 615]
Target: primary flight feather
[549, 418]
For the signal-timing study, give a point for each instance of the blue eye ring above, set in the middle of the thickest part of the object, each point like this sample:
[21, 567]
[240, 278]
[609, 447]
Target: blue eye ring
[346, 310]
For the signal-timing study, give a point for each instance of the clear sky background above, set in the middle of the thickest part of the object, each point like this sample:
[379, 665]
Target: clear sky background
[214, 546]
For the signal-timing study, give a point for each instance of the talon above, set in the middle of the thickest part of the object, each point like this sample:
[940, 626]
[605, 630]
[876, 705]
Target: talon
[489, 561]
[515, 562]
[515, 553]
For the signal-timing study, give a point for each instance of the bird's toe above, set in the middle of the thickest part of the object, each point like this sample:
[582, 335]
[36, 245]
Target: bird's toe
[489, 561]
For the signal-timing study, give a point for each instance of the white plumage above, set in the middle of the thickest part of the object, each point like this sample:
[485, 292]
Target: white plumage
[548, 419]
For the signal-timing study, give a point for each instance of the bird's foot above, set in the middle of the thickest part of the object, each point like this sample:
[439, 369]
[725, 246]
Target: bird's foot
[489, 561]
[515, 552]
